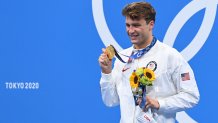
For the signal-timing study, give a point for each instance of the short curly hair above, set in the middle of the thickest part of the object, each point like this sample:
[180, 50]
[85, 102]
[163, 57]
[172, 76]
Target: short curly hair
[138, 10]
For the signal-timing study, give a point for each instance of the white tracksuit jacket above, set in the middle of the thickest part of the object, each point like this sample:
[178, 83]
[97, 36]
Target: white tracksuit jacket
[173, 93]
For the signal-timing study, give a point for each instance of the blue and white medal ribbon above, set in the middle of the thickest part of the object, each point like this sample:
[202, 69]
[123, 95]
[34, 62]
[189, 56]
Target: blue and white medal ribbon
[137, 55]
[140, 53]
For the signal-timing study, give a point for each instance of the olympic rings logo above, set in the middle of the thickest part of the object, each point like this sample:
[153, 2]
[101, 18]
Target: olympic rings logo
[181, 18]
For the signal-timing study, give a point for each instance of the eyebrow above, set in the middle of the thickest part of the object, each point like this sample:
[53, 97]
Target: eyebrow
[134, 24]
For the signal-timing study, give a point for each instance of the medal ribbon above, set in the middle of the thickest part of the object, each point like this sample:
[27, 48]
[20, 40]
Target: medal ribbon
[137, 55]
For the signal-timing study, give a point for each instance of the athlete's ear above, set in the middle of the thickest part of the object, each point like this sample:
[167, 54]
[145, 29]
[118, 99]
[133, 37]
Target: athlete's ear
[151, 25]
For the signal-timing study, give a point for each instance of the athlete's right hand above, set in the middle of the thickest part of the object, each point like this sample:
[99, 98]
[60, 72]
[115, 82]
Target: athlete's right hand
[105, 63]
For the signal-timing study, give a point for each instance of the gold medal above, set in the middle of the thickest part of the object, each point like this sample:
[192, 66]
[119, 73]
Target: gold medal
[110, 51]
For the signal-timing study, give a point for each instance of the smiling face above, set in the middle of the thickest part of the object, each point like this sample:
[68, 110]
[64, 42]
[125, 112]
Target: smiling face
[139, 32]
[140, 18]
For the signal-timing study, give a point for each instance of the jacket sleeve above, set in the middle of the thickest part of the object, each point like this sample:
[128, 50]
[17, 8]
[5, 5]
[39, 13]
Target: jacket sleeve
[108, 87]
[187, 91]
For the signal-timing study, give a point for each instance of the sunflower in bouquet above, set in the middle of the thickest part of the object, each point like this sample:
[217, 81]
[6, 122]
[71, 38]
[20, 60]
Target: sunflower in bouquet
[142, 76]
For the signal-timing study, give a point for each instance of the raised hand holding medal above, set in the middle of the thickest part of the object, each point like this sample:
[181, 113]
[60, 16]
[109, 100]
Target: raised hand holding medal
[105, 59]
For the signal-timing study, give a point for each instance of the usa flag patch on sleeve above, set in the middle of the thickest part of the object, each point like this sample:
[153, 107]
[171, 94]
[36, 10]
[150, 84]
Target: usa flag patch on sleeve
[185, 76]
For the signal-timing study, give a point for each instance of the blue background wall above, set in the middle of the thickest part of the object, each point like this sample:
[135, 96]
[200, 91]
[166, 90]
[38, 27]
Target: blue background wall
[56, 44]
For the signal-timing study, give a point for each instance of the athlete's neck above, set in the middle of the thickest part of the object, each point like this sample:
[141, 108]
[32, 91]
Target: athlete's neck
[144, 45]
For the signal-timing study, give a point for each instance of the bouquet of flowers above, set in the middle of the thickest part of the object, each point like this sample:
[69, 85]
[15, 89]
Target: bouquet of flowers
[139, 79]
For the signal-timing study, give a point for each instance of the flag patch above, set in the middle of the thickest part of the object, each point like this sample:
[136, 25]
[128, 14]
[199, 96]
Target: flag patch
[185, 76]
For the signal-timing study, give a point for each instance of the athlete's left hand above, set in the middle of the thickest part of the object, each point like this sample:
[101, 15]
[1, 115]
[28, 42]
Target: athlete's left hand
[151, 103]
